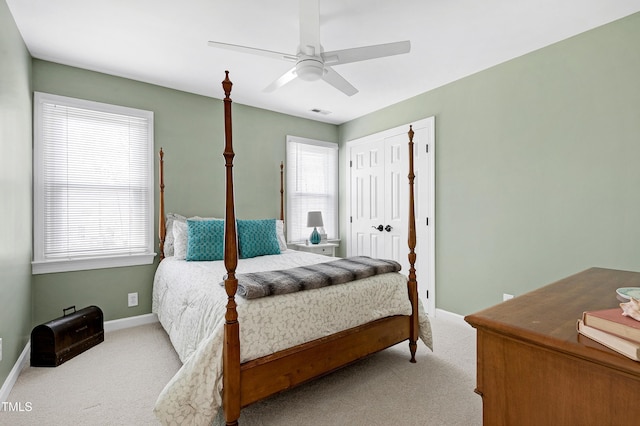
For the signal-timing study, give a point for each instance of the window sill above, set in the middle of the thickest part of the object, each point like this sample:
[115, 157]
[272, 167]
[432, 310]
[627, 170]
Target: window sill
[49, 267]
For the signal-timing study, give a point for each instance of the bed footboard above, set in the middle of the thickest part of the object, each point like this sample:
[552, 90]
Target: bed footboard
[286, 369]
[258, 379]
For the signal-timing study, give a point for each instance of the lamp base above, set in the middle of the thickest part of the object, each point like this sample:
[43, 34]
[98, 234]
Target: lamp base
[315, 236]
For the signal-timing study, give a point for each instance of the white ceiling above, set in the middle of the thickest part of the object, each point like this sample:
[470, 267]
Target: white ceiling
[164, 42]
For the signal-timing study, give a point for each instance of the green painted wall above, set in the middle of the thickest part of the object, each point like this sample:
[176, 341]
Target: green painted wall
[537, 171]
[15, 192]
[190, 129]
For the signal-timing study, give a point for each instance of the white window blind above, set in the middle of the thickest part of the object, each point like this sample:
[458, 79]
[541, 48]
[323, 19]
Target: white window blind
[93, 185]
[312, 185]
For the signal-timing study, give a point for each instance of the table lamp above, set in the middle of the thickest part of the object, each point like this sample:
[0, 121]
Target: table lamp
[314, 219]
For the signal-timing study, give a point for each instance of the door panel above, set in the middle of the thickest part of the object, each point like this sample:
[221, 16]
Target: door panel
[367, 175]
[375, 244]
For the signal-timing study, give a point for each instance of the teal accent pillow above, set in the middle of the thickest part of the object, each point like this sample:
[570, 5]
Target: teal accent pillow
[257, 238]
[205, 240]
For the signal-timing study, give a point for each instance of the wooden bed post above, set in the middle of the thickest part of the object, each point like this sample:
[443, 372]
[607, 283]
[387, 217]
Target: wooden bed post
[282, 190]
[162, 226]
[231, 349]
[413, 283]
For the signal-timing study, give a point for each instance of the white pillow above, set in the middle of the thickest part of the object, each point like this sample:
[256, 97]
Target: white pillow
[282, 241]
[168, 238]
[180, 239]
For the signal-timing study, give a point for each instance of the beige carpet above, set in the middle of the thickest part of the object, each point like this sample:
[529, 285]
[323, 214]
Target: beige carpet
[117, 382]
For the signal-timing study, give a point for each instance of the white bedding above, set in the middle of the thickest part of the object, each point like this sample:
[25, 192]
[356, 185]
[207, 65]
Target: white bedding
[190, 304]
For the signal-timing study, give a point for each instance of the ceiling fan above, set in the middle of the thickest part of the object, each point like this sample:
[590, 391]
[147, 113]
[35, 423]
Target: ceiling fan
[312, 62]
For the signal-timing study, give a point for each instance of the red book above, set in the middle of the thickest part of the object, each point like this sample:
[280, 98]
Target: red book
[612, 321]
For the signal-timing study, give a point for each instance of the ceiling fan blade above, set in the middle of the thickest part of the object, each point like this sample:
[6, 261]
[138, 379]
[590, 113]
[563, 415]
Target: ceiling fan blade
[253, 51]
[284, 79]
[337, 81]
[310, 27]
[367, 52]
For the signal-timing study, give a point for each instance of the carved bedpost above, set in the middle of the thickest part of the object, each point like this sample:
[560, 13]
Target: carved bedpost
[413, 283]
[282, 190]
[162, 226]
[231, 350]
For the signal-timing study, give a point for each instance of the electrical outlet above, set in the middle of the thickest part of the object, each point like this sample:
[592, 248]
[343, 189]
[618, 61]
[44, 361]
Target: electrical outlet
[506, 296]
[132, 299]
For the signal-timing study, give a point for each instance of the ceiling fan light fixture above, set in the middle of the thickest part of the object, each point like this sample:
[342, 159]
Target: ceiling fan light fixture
[312, 63]
[310, 69]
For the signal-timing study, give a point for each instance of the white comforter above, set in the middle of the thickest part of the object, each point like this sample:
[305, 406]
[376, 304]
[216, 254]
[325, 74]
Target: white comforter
[190, 304]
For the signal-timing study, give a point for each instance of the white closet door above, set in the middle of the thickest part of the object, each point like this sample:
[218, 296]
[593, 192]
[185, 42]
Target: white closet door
[396, 199]
[379, 195]
[378, 199]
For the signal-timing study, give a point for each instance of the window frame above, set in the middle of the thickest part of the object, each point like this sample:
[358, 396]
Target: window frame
[40, 264]
[332, 235]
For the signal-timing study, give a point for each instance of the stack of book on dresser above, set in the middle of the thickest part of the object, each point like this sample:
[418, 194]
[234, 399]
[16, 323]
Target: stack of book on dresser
[612, 329]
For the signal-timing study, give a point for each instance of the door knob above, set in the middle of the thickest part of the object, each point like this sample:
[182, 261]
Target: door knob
[379, 227]
[388, 228]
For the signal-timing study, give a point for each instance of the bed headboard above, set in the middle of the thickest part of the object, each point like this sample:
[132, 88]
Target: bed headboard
[162, 218]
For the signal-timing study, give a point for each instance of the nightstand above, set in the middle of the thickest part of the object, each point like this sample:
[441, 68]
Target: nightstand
[327, 249]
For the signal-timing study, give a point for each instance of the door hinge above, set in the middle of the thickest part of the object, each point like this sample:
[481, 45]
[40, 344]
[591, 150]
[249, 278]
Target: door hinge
[427, 221]
[427, 148]
[350, 219]
[427, 294]
[350, 163]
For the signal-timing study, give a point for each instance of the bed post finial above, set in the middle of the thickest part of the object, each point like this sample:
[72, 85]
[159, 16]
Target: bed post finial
[412, 283]
[226, 86]
[162, 226]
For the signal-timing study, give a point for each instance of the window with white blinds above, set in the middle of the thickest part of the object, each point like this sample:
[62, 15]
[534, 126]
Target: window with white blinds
[312, 185]
[93, 185]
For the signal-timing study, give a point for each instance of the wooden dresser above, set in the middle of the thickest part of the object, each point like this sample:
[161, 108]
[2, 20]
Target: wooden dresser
[534, 368]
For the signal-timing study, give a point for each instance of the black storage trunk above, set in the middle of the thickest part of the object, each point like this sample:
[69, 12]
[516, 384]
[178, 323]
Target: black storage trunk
[61, 339]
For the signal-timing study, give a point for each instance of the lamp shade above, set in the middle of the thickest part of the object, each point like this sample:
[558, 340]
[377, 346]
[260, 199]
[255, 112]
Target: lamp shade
[314, 219]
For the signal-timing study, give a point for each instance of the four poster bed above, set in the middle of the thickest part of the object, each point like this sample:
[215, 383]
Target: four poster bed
[239, 342]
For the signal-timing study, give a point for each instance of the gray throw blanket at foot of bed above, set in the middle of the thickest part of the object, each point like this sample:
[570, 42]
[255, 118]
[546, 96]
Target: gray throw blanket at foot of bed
[271, 283]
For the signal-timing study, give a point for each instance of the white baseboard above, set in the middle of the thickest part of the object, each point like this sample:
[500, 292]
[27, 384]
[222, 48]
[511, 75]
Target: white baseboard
[129, 322]
[452, 316]
[24, 358]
